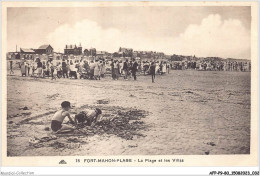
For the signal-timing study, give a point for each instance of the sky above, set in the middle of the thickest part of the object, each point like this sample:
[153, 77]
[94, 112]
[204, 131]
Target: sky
[202, 31]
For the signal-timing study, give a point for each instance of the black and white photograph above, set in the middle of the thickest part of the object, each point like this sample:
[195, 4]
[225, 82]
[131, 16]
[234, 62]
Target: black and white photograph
[128, 80]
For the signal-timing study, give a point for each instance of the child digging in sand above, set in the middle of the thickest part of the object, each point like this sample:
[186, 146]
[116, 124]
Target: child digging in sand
[59, 116]
[89, 117]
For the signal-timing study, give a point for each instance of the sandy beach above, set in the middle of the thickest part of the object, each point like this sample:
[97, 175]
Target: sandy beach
[183, 113]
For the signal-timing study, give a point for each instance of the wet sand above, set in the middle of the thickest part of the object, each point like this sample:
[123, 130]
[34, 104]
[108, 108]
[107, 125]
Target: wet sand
[188, 113]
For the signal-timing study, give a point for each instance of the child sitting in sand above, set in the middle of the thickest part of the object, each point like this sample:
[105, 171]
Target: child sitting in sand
[89, 116]
[56, 123]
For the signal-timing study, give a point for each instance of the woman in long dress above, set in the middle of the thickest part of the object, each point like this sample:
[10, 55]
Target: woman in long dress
[113, 69]
[91, 69]
[116, 70]
[28, 67]
[39, 68]
[73, 71]
[164, 68]
[103, 69]
[80, 66]
[97, 71]
[157, 68]
[23, 69]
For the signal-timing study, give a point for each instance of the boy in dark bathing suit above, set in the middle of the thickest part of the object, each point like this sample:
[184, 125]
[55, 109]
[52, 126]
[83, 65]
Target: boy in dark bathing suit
[59, 116]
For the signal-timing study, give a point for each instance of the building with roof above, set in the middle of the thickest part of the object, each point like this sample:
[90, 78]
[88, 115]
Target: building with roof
[73, 49]
[90, 52]
[125, 52]
[27, 51]
[101, 53]
[44, 49]
[13, 55]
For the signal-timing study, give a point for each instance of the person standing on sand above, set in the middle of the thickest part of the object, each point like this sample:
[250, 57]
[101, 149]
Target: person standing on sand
[80, 66]
[92, 68]
[71, 73]
[64, 68]
[160, 66]
[168, 67]
[44, 69]
[59, 70]
[69, 62]
[130, 65]
[103, 69]
[58, 118]
[116, 70]
[26, 67]
[86, 66]
[39, 68]
[29, 65]
[25, 64]
[33, 68]
[52, 71]
[121, 64]
[11, 67]
[164, 68]
[134, 69]
[146, 66]
[97, 71]
[152, 71]
[23, 69]
[112, 69]
[125, 69]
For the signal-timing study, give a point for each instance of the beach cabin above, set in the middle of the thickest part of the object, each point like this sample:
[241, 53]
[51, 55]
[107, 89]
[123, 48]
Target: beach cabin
[73, 49]
[44, 49]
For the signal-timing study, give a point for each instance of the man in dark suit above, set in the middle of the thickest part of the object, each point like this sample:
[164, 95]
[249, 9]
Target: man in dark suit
[134, 69]
[125, 69]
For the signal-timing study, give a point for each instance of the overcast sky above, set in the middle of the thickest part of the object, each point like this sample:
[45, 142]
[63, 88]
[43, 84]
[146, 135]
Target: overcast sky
[200, 31]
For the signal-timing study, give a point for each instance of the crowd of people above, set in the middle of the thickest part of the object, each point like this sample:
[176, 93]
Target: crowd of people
[129, 69]
[62, 68]
[97, 68]
[213, 65]
[90, 69]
